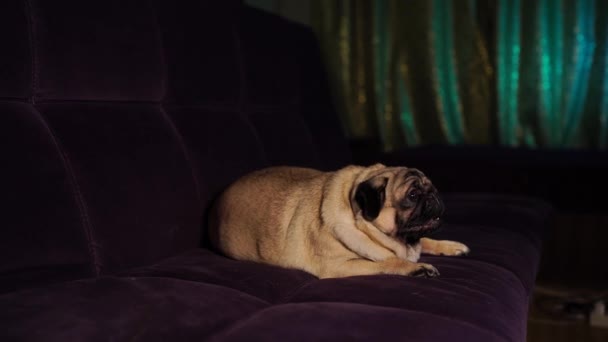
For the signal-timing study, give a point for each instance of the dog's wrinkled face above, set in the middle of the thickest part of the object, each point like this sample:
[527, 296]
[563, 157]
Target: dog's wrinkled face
[401, 202]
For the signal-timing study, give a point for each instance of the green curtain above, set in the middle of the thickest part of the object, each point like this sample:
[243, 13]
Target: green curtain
[510, 72]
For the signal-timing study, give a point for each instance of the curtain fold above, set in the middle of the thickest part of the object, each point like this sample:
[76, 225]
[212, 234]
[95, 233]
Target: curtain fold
[510, 72]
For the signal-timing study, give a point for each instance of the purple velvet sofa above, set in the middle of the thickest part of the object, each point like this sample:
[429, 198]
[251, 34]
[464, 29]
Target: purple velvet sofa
[121, 120]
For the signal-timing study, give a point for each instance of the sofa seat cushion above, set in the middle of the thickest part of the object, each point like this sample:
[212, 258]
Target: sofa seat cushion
[198, 293]
[201, 295]
[486, 291]
[123, 309]
[267, 282]
[331, 321]
[491, 247]
[479, 295]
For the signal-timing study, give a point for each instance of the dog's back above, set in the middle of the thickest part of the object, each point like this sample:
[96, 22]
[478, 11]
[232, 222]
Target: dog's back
[254, 218]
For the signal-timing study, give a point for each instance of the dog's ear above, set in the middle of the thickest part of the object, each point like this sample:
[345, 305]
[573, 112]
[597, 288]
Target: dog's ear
[369, 197]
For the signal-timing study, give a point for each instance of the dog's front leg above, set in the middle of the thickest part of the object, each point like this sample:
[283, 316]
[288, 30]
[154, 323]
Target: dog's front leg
[443, 247]
[361, 244]
[398, 248]
[361, 267]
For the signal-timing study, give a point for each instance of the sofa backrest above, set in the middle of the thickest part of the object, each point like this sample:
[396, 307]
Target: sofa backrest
[122, 120]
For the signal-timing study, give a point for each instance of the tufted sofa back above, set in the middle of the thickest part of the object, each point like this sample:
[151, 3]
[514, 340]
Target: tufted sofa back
[121, 120]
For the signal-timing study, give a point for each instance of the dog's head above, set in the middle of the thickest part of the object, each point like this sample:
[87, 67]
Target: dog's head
[401, 202]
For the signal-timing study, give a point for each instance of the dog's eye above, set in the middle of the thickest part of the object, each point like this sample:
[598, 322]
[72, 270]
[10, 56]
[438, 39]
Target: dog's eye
[413, 195]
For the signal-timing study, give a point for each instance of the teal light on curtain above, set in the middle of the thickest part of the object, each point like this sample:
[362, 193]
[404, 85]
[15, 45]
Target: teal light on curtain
[551, 45]
[584, 47]
[381, 59]
[509, 48]
[516, 73]
[445, 72]
[406, 116]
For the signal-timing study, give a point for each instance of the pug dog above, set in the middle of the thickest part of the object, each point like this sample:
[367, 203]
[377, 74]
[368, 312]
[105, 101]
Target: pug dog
[354, 221]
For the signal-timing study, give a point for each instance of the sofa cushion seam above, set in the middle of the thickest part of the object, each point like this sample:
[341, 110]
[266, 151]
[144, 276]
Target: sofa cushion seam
[77, 193]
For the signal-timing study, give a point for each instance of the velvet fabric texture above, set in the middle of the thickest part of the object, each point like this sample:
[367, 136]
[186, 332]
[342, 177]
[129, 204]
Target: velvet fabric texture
[43, 240]
[120, 123]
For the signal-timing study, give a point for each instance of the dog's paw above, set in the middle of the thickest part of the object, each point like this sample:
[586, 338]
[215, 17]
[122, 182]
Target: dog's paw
[453, 248]
[425, 271]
